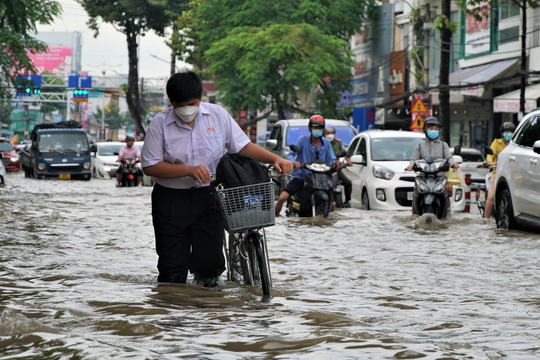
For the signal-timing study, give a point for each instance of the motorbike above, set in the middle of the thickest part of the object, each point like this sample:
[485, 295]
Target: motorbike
[338, 190]
[129, 172]
[485, 187]
[431, 193]
[316, 196]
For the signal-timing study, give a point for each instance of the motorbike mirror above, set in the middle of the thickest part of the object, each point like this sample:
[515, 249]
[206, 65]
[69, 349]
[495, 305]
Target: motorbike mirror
[293, 148]
[342, 153]
[457, 150]
[488, 150]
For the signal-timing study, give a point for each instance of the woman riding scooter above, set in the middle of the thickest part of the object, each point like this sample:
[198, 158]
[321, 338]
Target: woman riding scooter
[507, 131]
[310, 148]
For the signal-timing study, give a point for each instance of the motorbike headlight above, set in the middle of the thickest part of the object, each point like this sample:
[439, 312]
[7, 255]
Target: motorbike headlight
[382, 172]
[318, 167]
[438, 188]
[421, 187]
[86, 166]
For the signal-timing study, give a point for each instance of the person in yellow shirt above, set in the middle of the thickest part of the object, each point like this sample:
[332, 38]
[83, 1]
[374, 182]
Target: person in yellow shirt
[498, 145]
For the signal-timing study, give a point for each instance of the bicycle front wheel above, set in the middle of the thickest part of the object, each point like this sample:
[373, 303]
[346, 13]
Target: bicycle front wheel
[262, 266]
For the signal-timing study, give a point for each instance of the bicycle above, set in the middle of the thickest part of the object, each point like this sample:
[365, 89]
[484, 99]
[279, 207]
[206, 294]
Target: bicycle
[247, 210]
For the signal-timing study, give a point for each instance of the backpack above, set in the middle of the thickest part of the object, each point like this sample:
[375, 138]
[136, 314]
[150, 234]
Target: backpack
[235, 170]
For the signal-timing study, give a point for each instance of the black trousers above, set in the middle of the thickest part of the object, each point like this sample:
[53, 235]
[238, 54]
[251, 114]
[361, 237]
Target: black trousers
[189, 233]
[347, 184]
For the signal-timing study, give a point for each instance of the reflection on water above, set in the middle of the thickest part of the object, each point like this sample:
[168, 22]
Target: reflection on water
[78, 281]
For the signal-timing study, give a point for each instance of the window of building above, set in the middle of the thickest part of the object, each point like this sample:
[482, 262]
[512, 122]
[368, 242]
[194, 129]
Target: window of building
[509, 35]
[508, 9]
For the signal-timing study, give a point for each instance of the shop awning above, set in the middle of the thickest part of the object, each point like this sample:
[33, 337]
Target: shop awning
[478, 74]
[509, 102]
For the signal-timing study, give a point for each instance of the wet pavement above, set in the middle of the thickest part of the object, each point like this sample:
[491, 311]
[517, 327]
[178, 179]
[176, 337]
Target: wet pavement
[78, 281]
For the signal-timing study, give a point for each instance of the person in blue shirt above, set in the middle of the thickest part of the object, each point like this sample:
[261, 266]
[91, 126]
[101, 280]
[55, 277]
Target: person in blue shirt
[310, 148]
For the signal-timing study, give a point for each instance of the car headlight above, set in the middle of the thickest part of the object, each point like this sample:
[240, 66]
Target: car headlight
[107, 168]
[41, 166]
[14, 159]
[382, 172]
[86, 166]
[459, 195]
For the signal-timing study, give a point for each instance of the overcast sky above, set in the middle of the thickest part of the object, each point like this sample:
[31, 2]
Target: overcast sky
[109, 50]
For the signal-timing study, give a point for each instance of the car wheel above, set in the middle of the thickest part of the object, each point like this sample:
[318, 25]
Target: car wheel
[365, 200]
[504, 212]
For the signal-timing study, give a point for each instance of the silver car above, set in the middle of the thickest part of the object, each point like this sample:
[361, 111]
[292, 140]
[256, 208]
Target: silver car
[474, 163]
[286, 132]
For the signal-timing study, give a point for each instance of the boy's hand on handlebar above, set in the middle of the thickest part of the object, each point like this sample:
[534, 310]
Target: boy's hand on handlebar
[283, 166]
[409, 168]
[297, 165]
[201, 174]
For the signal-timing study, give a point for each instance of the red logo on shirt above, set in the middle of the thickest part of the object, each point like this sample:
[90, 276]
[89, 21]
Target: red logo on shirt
[212, 129]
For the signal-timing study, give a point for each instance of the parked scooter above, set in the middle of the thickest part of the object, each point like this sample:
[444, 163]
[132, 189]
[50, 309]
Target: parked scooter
[129, 172]
[316, 196]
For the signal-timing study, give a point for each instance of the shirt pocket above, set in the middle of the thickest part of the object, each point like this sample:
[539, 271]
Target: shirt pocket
[214, 143]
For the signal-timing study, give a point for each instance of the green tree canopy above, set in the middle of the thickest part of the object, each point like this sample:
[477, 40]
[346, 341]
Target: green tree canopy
[262, 52]
[18, 19]
[133, 18]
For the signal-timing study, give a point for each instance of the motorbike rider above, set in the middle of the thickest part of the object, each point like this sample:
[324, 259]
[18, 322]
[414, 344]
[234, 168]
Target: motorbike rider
[128, 151]
[310, 147]
[507, 131]
[337, 146]
[432, 146]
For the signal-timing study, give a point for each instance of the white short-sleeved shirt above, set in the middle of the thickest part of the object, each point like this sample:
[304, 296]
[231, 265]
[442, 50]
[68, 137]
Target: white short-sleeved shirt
[169, 139]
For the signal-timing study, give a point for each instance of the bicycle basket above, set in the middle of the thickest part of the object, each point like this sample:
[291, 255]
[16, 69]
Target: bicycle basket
[245, 207]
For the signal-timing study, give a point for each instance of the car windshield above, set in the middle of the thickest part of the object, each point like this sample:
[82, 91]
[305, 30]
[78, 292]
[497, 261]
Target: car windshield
[109, 149]
[344, 133]
[61, 142]
[472, 157]
[393, 149]
[5, 146]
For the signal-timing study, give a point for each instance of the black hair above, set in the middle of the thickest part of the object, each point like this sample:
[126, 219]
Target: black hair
[184, 86]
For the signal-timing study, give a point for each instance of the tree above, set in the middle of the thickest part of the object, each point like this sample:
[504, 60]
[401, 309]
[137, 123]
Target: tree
[262, 52]
[113, 118]
[133, 18]
[19, 18]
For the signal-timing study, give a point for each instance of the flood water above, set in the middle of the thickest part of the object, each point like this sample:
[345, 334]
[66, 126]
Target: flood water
[78, 281]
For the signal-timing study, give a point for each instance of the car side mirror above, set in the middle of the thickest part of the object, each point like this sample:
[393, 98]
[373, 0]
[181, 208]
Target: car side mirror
[358, 159]
[93, 148]
[458, 159]
[488, 150]
[293, 148]
[271, 144]
[536, 147]
[457, 150]
[341, 154]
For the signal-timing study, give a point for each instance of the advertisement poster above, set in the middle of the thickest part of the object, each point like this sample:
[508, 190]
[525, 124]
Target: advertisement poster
[478, 33]
[57, 60]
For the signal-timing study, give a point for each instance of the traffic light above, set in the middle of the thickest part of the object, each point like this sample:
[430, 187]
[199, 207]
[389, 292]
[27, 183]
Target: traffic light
[80, 95]
[28, 91]
[36, 91]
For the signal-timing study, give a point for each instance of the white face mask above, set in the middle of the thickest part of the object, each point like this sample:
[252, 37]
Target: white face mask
[186, 113]
[330, 137]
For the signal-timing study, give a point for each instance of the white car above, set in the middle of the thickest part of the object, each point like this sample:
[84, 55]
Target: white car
[2, 171]
[378, 174]
[104, 156]
[147, 180]
[474, 163]
[517, 189]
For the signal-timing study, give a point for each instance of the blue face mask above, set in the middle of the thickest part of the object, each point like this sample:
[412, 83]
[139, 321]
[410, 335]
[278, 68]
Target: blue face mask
[507, 136]
[433, 134]
[316, 133]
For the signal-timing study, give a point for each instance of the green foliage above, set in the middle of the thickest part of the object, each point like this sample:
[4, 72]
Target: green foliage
[18, 19]
[262, 52]
[442, 21]
[113, 118]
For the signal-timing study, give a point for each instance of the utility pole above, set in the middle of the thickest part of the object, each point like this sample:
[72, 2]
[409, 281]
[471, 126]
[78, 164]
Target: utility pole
[103, 110]
[444, 72]
[524, 75]
[427, 32]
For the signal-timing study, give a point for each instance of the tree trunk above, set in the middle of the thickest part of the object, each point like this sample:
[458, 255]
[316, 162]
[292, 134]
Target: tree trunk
[524, 74]
[132, 95]
[444, 74]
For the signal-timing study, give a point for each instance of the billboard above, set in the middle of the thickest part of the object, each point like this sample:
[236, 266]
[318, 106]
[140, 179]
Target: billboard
[57, 60]
[478, 33]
